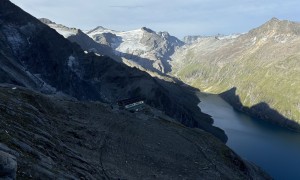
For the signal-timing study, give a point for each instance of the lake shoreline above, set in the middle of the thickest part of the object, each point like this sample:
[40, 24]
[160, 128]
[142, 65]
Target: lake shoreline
[260, 111]
[272, 147]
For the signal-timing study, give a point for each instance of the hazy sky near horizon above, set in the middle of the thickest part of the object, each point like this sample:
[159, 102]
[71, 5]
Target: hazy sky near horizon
[178, 17]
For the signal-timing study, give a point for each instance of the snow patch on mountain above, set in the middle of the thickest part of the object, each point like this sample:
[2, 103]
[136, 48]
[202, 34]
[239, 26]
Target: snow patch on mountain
[143, 46]
[63, 30]
[131, 41]
[128, 42]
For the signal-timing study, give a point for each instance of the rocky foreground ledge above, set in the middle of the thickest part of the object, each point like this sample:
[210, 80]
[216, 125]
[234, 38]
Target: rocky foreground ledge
[55, 137]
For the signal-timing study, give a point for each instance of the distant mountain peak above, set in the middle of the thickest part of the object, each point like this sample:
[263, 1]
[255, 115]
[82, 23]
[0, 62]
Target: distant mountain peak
[279, 27]
[274, 19]
[98, 28]
[272, 22]
[147, 30]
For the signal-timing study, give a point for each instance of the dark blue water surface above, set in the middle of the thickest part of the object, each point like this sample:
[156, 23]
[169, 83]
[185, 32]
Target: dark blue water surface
[275, 149]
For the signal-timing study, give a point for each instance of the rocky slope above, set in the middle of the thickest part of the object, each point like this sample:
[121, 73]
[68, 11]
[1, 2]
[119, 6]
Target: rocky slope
[210, 62]
[57, 137]
[37, 57]
[53, 125]
[142, 47]
[259, 72]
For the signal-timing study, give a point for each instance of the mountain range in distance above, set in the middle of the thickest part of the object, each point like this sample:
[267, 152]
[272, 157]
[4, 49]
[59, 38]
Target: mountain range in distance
[260, 66]
[58, 84]
[141, 48]
[56, 121]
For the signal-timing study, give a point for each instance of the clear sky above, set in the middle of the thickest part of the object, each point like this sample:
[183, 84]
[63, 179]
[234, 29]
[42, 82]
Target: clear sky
[178, 17]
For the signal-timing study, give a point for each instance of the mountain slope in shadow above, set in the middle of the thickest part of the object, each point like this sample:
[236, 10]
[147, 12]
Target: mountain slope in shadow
[57, 137]
[261, 110]
[37, 57]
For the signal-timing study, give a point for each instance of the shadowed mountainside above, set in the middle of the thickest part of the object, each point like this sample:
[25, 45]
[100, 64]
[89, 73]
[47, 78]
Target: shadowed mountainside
[37, 57]
[261, 110]
[56, 137]
[54, 126]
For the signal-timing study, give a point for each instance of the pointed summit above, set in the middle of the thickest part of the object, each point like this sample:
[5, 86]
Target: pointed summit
[99, 28]
[147, 30]
[277, 26]
[272, 22]
[274, 19]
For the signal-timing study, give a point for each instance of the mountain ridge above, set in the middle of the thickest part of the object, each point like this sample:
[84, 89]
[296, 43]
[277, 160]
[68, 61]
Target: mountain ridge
[143, 46]
[67, 133]
[86, 76]
[262, 64]
[257, 41]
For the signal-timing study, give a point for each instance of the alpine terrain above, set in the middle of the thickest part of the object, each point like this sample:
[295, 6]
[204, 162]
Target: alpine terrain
[57, 120]
[250, 70]
[257, 72]
[142, 47]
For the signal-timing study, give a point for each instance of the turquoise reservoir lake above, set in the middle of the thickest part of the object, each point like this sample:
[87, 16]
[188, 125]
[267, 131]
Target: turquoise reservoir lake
[275, 149]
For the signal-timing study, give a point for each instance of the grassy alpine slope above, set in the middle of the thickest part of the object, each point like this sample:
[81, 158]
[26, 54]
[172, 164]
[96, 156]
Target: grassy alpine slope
[263, 64]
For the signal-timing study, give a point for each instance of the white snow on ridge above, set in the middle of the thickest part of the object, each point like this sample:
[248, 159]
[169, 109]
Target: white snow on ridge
[129, 40]
[64, 31]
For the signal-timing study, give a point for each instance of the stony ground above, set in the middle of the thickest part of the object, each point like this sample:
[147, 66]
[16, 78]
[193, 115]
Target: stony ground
[54, 137]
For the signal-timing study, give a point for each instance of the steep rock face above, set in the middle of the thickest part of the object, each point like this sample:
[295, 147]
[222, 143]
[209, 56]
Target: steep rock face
[55, 137]
[143, 47]
[263, 65]
[37, 57]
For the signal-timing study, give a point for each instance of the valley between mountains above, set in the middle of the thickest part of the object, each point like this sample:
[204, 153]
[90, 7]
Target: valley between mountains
[59, 86]
[56, 117]
[257, 72]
